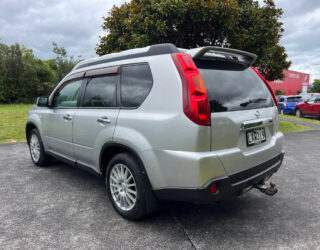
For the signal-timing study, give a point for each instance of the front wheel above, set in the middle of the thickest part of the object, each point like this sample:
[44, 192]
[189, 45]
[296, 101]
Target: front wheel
[298, 113]
[36, 148]
[128, 187]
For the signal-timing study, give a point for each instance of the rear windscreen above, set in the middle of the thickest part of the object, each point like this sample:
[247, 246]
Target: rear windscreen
[232, 88]
[294, 99]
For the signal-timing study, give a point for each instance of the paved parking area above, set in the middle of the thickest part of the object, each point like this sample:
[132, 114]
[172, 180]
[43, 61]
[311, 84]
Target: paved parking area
[63, 207]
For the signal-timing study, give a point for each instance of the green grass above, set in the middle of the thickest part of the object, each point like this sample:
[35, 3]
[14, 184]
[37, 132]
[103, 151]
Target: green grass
[311, 120]
[285, 126]
[12, 122]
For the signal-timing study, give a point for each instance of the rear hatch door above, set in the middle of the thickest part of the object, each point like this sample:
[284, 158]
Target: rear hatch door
[292, 101]
[243, 112]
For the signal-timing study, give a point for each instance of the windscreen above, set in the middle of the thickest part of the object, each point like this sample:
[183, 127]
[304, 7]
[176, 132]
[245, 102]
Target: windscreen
[231, 88]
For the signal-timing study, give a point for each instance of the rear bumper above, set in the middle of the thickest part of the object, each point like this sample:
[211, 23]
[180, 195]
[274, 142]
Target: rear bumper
[228, 186]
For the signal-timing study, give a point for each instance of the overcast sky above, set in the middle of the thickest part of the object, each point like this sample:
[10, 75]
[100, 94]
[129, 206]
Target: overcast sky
[76, 25]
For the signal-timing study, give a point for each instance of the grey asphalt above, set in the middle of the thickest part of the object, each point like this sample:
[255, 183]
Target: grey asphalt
[308, 124]
[61, 207]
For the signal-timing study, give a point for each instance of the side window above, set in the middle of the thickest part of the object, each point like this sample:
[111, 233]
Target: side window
[68, 95]
[318, 100]
[312, 99]
[101, 92]
[281, 100]
[136, 83]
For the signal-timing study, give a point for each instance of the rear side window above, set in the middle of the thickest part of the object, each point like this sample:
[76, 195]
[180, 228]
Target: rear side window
[101, 92]
[230, 88]
[136, 83]
[281, 100]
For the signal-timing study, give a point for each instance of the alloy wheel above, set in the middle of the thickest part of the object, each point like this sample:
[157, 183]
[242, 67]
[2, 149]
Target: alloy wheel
[123, 187]
[298, 113]
[35, 147]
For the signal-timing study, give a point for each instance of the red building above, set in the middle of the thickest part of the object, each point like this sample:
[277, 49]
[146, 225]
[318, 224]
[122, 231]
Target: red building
[293, 82]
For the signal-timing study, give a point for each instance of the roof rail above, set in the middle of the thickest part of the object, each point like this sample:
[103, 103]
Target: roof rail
[158, 49]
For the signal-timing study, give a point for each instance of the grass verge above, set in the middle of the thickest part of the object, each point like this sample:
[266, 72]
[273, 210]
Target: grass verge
[310, 120]
[12, 122]
[285, 126]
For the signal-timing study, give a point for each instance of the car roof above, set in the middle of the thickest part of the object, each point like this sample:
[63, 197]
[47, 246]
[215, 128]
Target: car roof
[289, 96]
[158, 49]
[209, 52]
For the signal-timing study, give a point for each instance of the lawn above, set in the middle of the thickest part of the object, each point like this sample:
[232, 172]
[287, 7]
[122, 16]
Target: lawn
[311, 120]
[285, 126]
[12, 122]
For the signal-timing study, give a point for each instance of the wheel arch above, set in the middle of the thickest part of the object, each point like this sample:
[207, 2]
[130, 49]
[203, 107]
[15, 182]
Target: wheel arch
[29, 127]
[111, 149]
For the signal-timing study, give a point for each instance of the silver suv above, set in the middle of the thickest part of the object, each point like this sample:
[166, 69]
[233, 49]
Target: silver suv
[162, 123]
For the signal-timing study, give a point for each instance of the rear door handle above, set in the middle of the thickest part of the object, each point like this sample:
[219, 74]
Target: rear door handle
[104, 120]
[67, 117]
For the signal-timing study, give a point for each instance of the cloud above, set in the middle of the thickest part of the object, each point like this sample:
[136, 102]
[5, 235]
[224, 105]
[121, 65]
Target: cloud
[301, 20]
[76, 25]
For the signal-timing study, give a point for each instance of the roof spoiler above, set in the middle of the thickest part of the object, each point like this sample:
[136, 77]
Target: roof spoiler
[223, 54]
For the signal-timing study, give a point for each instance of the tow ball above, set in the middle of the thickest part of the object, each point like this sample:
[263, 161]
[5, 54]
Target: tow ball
[269, 190]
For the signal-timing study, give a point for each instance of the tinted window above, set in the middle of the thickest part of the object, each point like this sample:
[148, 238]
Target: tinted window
[68, 95]
[136, 83]
[231, 88]
[294, 99]
[101, 92]
[281, 100]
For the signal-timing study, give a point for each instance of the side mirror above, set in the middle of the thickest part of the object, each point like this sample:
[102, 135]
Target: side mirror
[42, 101]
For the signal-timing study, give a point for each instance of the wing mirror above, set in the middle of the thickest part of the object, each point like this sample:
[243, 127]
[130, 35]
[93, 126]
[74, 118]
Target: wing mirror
[42, 101]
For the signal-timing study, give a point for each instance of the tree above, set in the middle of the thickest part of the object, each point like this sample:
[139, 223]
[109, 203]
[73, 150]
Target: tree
[279, 92]
[23, 77]
[299, 91]
[63, 64]
[315, 88]
[240, 24]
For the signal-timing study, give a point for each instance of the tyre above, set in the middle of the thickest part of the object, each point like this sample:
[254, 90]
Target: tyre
[298, 113]
[128, 187]
[38, 155]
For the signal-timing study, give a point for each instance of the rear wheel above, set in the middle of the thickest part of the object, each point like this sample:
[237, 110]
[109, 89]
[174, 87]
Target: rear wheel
[36, 148]
[298, 113]
[128, 187]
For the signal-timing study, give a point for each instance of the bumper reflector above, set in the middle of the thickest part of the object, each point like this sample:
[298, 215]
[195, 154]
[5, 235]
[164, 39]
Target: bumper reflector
[213, 188]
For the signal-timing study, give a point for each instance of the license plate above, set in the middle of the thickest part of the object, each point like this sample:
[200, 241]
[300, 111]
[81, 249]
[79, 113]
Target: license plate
[256, 136]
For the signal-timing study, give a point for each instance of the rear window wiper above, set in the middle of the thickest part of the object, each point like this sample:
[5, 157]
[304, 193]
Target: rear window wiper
[244, 104]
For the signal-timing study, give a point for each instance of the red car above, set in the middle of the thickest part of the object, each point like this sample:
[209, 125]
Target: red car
[311, 107]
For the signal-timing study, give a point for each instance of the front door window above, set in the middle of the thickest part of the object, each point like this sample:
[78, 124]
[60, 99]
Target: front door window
[67, 96]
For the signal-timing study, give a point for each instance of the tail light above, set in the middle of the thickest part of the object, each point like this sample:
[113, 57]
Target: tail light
[268, 86]
[285, 104]
[195, 99]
